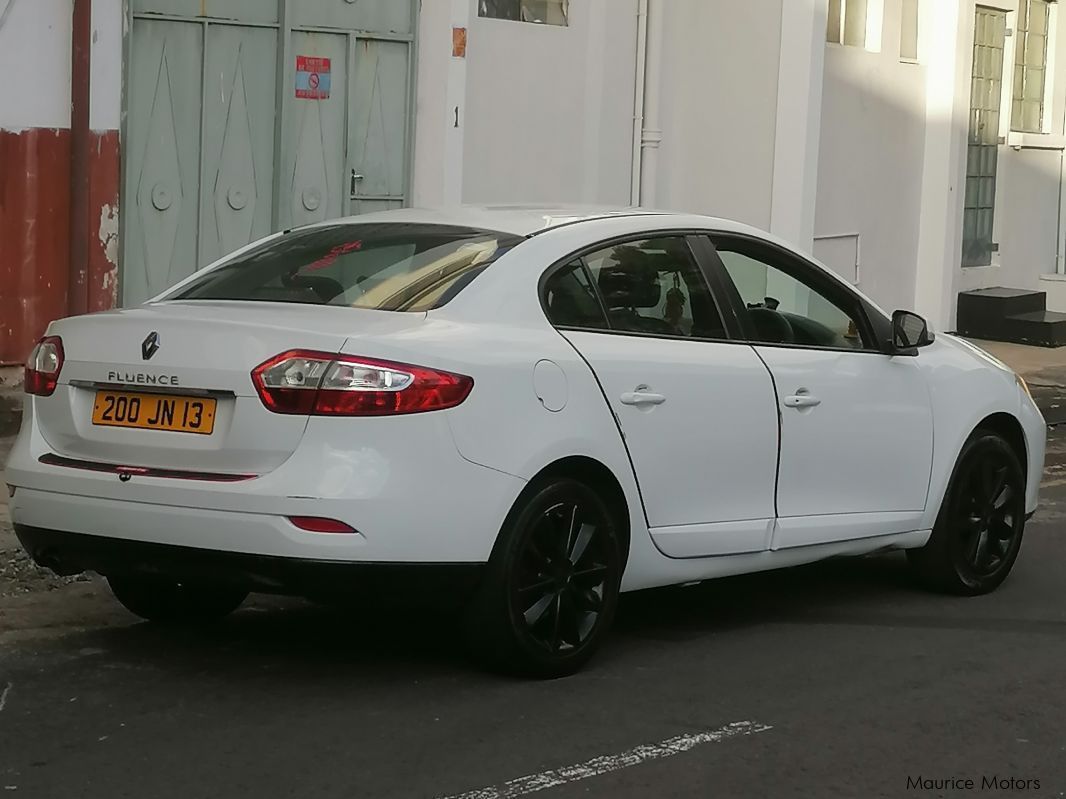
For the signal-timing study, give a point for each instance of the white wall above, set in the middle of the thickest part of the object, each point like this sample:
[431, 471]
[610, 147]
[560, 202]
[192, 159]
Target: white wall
[549, 109]
[35, 63]
[35, 53]
[871, 160]
[105, 80]
[432, 118]
[719, 107]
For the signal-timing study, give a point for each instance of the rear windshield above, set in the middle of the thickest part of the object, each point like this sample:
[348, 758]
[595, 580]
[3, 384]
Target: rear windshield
[387, 267]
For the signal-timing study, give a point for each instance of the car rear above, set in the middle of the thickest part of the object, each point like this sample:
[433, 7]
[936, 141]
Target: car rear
[270, 416]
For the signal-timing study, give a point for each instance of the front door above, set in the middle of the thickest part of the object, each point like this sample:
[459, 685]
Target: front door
[697, 412]
[856, 425]
[251, 117]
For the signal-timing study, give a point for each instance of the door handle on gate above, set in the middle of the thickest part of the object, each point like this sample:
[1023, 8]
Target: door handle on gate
[642, 398]
[802, 400]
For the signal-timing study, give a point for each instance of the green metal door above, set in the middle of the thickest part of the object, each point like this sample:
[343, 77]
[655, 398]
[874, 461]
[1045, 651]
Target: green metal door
[223, 147]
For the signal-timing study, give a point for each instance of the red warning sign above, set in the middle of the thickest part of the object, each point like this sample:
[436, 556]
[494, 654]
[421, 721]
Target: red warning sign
[313, 77]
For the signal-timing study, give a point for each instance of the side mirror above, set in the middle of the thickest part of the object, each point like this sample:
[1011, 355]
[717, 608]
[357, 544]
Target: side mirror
[909, 332]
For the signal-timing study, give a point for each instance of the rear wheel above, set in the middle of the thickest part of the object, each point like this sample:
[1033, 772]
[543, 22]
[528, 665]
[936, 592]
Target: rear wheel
[552, 584]
[978, 533]
[175, 602]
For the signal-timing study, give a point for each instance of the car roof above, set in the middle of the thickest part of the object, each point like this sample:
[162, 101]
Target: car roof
[528, 220]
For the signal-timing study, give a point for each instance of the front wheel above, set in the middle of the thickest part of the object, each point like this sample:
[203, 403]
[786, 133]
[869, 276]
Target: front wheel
[175, 602]
[978, 533]
[552, 584]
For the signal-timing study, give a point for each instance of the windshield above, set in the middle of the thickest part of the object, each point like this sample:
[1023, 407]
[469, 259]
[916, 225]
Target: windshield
[387, 267]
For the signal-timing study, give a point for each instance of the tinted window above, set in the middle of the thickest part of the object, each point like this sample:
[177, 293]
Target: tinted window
[390, 267]
[654, 286]
[782, 309]
[571, 299]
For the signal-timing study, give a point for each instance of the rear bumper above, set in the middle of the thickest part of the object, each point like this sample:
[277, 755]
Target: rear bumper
[71, 553]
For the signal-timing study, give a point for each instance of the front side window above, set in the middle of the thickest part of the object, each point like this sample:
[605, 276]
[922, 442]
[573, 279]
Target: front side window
[782, 309]
[1030, 65]
[386, 267]
[543, 12]
[652, 286]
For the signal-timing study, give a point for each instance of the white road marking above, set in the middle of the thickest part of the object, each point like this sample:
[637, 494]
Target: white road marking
[3, 696]
[608, 763]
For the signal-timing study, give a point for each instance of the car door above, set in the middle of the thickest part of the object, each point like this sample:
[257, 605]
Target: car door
[696, 411]
[856, 423]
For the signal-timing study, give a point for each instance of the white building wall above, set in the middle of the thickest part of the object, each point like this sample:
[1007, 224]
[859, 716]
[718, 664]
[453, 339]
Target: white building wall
[870, 164]
[549, 109]
[35, 60]
[719, 107]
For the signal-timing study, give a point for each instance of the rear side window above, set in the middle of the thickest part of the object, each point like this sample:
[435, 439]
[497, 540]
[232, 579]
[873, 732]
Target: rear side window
[651, 287]
[386, 267]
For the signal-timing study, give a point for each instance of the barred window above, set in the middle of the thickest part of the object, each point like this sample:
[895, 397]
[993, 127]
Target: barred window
[1030, 65]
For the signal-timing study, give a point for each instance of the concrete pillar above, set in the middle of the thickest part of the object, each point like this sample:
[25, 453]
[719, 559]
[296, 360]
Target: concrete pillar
[799, 114]
[947, 35]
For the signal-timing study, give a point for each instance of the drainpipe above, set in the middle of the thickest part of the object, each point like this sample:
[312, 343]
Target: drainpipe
[638, 99]
[81, 42]
[651, 134]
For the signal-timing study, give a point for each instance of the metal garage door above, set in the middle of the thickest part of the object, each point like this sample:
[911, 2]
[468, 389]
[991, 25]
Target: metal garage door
[248, 116]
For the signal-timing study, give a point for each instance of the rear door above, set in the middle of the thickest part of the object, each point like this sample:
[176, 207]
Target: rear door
[856, 424]
[697, 411]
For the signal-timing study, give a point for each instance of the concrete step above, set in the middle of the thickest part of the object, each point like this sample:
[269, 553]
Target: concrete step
[1040, 328]
[1006, 314]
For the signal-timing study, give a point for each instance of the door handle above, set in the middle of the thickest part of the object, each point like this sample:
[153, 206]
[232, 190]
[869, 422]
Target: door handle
[639, 398]
[356, 178]
[802, 400]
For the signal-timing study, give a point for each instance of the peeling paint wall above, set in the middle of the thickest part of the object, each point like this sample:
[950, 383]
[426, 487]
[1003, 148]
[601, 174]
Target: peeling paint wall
[35, 166]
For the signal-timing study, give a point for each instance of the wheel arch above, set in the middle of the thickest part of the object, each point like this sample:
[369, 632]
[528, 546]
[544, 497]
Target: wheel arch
[1007, 426]
[1001, 423]
[597, 476]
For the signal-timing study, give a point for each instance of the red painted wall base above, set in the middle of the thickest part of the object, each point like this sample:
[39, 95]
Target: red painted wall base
[34, 232]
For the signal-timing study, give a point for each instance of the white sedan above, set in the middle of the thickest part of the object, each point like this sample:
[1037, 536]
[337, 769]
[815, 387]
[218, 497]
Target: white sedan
[530, 410]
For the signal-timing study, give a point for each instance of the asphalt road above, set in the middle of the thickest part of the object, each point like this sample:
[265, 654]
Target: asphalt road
[862, 680]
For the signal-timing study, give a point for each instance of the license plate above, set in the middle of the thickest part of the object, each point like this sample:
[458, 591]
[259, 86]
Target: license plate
[155, 412]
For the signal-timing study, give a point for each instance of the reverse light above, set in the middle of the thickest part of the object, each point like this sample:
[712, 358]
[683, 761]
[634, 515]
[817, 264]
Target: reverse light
[312, 383]
[43, 367]
[316, 524]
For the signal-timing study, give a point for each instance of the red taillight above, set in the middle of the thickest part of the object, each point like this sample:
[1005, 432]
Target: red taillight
[315, 524]
[43, 367]
[322, 384]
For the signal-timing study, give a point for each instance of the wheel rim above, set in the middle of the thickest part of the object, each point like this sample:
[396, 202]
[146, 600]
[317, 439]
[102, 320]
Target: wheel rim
[988, 515]
[562, 577]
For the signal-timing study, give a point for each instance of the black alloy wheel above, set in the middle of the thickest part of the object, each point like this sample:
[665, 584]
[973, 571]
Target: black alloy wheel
[552, 584]
[561, 576]
[978, 534]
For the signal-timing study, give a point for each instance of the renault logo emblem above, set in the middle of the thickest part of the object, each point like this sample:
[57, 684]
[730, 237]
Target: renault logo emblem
[150, 346]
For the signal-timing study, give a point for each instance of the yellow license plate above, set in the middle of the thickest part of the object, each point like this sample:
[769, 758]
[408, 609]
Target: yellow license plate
[155, 412]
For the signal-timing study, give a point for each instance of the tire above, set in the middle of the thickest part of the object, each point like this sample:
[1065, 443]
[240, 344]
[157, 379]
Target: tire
[978, 532]
[551, 588]
[173, 602]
